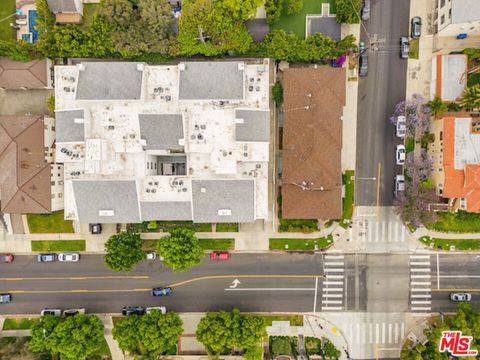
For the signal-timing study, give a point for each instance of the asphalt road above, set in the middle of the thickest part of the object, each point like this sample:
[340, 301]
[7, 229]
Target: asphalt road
[378, 94]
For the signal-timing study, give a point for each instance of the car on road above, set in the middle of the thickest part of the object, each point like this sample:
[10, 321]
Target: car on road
[161, 291]
[151, 255]
[68, 257]
[54, 312]
[416, 27]
[460, 296]
[73, 312]
[399, 184]
[6, 258]
[133, 310]
[5, 298]
[95, 229]
[220, 255]
[366, 10]
[400, 154]
[404, 47]
[46, 257]
[401, 126]
[162, 309]
[363, 65]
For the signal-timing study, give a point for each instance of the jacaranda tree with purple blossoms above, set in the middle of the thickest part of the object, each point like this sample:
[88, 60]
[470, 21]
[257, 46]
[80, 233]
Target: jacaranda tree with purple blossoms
[418, 115]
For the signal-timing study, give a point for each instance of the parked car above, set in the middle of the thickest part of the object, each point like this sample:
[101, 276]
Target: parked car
[46, 257]
[133, 310]
[73, 312]
[162, 309]
[404, 47]
[5, 298]
[416, 27]
[161, 291]
[399, 184]
[54, 312]
[460, 296]
[151, 255]
[400, 154]
[220, 255]
[6, 258]
[366, 10]
[95, 228]
[68, 257]
[363, 65]
[361, 47]
[401, 126]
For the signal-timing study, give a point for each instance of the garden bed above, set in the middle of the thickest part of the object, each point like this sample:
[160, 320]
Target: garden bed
[166, 226]
[300, 244]
[295, 320]
[227, 227]
[459, 222]
[217, 244]
[444, 244]
[283, 345]
[58, 245]
[49, 223]
[348, 181]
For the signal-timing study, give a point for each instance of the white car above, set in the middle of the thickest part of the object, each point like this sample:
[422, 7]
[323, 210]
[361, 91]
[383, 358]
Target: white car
[151, 255]
[400, 154]
[399, 184]
[54, 312]
[162, 309]
[401, 126]
[460, 296]
[68, 257]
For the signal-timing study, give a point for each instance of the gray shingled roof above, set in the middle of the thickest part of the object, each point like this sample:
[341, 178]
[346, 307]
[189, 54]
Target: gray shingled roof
[166, 210]
[58, 6]
[255, 127]
[162, 131]
[212, 80]
[91, 196]
[110, 81]
[67, 130]
[326, 26]
[235, 195]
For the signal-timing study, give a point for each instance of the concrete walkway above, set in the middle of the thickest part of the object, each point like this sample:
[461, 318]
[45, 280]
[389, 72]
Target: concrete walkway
[117, 353]
[422, 231]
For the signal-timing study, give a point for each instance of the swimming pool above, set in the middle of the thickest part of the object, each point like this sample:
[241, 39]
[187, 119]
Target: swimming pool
[32, 22]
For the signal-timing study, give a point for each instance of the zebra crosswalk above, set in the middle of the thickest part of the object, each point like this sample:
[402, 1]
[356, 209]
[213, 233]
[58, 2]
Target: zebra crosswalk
[420, 283]
[333, 285]
[378, 333]
[372, 231]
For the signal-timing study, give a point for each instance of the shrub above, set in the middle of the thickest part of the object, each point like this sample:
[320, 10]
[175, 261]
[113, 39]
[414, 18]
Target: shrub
[277, 92]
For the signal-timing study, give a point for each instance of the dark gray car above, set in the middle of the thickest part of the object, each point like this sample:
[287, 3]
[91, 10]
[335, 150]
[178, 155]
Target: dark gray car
[404, 47]
[416, 27]
[46, 257]
[363, 65]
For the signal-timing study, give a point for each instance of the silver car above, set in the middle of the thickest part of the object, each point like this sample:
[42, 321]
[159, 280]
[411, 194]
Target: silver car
[399, 184]
[460, 296]
[68, 257]
[366, 10]
[162, 309]
[404, 47]
[416, 27]
[54, 312]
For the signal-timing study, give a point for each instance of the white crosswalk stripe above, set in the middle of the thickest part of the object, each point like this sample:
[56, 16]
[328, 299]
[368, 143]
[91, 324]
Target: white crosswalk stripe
[333, 286]
[420, 283]
[379, 333]
[371, 231]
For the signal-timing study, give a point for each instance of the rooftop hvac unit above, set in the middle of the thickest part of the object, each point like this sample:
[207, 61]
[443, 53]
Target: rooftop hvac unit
[106, 213]
[241, 66]
[181, 67]
[181, 142]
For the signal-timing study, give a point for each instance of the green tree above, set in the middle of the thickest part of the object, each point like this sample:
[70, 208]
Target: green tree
[152, 335]
[329, 351]
[277, 92]
[51, 103]
[437, 106]
[348, 11]
[281, 346]
[274, 9]
[471, 97]
[181, 250]
[40, 333]
[216, 331]
[250, 331]
[293, 6]
[19, 50]
[124, 251]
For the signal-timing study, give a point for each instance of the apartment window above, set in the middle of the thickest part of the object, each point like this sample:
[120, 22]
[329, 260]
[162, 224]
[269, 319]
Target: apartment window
[60, 182]
[441, 137]
[60, 195]
[148, 165]
[53, 183]
[53, 128]
[442, 3]
[449, 13]
[442, 19]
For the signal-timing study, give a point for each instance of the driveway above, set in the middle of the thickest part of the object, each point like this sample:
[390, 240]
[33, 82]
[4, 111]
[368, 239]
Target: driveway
[24, 101]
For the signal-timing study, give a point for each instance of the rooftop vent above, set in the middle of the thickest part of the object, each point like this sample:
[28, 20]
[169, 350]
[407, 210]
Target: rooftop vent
[80, 67]
[224, 212]
[181, 67]
[140, 67]
[106, 213]
[203, 190]
[241, 66]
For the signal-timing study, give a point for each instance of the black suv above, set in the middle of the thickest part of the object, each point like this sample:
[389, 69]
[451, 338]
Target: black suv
[133, 310]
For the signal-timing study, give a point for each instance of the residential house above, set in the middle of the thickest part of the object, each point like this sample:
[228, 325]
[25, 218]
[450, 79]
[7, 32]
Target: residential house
[24, 75]
[455, 17]
[314, 99]
[449, 76]
[67, 11]
[165, 142]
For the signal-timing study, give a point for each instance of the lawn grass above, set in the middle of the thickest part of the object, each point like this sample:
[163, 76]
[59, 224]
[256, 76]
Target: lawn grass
[49, 223]
[295, 23]
[89, 11]
[58, 245]
[473, 79]
[414, 49]
[7, 7]
[300, 244]
[19, 323]
[349, 183]
[444, 244]
[295, 320]
[227, 227]
[104, 350]
[409, 144]
[459, 222]
[217, 244]
[299, 225]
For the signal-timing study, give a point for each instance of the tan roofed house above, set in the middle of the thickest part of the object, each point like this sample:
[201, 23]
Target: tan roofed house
[312, 143]
[25, 177]
[23, 75]
[67, 11]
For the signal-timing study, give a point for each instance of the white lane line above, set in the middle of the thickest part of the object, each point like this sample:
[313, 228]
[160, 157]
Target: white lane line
[377, 230]
[418, 308]
[332, 289]
[403, 233]
[413, 283]
[370, 332]
[390, 228]
[390, 333]
[460, 276]
[421, 276]
[438, 272]
[419, 256]
[421, 302]
[396, 232]
[332, 295]
[420, 289]
[402, 331]
[357, 337]
[330, 276]
[332, 283]
[271, 289]
[328, 257]
[337, 270]
[419, 263]
[420, 270]
[315, 295]
[332, 308]
[377, 333]
[421, 296]
[383, 333]
[335, 263]
[332, 301]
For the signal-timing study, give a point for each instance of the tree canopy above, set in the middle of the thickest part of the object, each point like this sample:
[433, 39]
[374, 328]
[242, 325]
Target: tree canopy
[220, 331]
[181, 250]
[153, 334]
[471, 97]
[348, 11]
[72, 338]
[124, 251]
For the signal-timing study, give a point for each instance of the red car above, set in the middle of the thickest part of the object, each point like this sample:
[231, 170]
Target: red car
[6, 258]
[220, 255]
